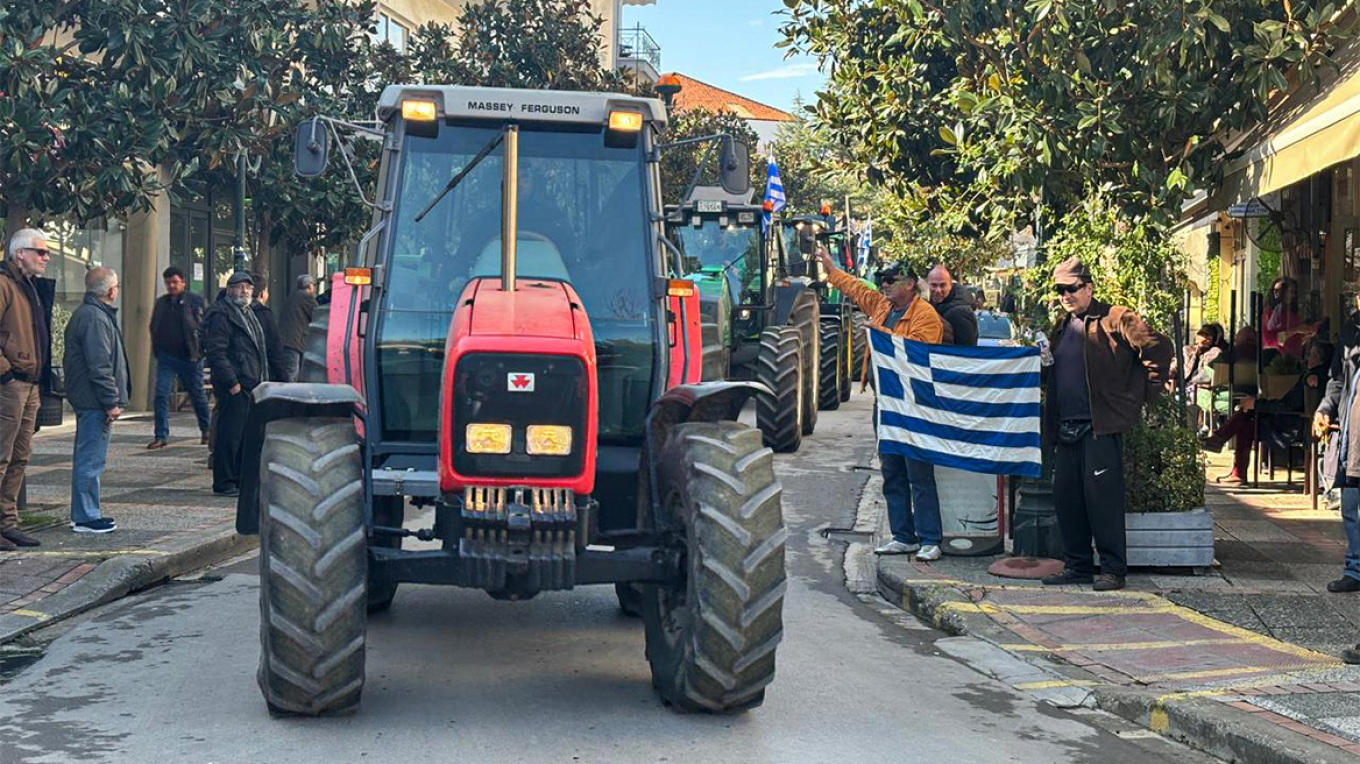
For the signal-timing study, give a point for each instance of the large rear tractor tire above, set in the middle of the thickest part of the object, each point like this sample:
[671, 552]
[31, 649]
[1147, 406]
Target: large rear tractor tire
[847, 358]
[860, 342]
[780, 368]
[313, 568]
[832, 362]
[711, 644]
[388, 512]
[806, 320]
[315, 346]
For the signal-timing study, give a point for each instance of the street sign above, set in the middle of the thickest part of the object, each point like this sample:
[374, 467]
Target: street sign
[1252, 209]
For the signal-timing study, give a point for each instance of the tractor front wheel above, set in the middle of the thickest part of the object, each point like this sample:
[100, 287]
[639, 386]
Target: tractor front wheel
[847, 358]
[831, 360]
[780, 368]
[859, 341]
[313, 567]
[711, 642]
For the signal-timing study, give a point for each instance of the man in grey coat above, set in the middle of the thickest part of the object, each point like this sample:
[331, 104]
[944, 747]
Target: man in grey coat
[97, 385]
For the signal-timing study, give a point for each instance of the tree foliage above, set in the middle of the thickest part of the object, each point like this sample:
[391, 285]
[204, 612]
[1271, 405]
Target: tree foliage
[1041, 101]
[816, 168]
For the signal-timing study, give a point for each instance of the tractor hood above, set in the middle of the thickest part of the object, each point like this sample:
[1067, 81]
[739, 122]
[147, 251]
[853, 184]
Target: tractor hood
[547, 309]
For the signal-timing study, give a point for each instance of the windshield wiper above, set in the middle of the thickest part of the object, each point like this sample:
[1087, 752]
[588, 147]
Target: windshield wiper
[458, 178]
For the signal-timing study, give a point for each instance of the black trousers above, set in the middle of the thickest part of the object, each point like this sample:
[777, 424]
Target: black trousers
[232, 411]
[1088, 494]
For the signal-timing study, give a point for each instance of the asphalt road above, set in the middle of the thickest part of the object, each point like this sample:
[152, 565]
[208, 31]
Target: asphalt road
[169, 676]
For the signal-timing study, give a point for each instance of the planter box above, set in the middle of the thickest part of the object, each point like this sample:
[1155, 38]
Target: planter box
[1170, 539]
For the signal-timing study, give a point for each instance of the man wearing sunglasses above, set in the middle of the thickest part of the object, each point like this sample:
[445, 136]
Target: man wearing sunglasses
[25, 354]
[1106, 363]
[908, 484]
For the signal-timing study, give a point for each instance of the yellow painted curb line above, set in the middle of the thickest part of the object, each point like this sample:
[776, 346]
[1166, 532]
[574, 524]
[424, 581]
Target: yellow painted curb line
[31, 614]
[1159, 722]
[1115, 646]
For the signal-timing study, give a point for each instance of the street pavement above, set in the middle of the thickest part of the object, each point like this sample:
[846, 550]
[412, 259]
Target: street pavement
[169, 675]
[169, 522]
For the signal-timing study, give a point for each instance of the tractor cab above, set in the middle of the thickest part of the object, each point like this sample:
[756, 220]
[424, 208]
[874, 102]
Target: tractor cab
[512, 349]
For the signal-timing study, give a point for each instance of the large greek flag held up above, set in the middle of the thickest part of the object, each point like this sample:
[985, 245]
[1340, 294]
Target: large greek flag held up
[970, 408]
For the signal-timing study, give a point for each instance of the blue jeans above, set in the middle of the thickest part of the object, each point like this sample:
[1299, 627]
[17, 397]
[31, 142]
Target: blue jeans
[1350, 519]
[913, 504]
[190, 374]
[87, 463]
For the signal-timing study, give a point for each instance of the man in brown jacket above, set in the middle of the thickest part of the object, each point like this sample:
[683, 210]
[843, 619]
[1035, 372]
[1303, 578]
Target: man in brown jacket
[908, 484]
[25, 351]
[1106, 363]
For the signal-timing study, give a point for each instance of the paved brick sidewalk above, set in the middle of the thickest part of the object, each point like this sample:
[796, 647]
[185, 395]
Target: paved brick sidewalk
[166, 512]
[1257, 637]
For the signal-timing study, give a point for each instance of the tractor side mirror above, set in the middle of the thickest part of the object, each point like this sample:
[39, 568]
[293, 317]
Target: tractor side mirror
[735, 167]
[311, 149]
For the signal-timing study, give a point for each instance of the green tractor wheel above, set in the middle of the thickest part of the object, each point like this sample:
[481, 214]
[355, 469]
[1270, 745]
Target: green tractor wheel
[806, 318]
[860, 343]
[711, 643]
[832, 363]
[779, 367]
[847, 358]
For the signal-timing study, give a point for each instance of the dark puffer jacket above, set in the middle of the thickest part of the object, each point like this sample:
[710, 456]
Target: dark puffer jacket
[959, 318]
[230, 347]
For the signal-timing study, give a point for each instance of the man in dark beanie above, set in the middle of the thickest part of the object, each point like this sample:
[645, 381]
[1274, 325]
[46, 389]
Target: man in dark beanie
[237, 351]
[1106, 363]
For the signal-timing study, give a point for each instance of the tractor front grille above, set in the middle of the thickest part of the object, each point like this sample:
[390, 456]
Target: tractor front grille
[483, 504]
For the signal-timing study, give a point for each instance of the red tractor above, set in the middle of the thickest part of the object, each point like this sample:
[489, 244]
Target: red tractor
[513, 351]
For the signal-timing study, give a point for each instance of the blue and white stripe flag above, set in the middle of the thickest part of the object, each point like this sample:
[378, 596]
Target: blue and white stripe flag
[970, 408]
[866, 241]
[774, 191]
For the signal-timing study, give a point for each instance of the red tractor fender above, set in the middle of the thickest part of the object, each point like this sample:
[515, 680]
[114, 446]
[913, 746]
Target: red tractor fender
[538, 318]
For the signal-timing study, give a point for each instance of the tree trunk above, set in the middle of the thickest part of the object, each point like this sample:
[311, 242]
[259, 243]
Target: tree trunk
[16, 218]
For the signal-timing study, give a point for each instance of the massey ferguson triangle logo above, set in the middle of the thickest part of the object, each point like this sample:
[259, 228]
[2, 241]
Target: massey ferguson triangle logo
[519, 382]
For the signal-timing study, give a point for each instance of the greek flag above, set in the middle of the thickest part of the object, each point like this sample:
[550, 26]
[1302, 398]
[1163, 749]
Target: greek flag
[774, 191]
[866, 240]
[970, 408]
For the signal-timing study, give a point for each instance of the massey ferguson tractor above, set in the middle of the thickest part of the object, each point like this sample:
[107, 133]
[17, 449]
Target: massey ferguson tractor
[512, 349]
[759, 321]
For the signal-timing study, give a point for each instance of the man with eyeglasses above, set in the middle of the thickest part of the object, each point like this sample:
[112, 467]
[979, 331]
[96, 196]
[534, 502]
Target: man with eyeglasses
[25, 356]
[1106, 362]
[908, 484]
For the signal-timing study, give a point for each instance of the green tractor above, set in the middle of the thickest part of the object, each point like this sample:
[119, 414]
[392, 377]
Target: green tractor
[841, 324]
[759, 321]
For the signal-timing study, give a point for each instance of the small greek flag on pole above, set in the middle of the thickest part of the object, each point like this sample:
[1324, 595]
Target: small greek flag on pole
[774, 191]
[970, 408]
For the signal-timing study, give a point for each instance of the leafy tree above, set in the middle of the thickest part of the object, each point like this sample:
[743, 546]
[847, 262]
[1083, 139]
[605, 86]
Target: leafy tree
[816, 168]
[1041, 101]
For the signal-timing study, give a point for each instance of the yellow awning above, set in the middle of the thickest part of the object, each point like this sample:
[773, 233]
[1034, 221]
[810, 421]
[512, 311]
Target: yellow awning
[1311, 130]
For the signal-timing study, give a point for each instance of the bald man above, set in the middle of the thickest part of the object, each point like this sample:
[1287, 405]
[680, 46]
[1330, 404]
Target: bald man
[955, 306]
[97, 385]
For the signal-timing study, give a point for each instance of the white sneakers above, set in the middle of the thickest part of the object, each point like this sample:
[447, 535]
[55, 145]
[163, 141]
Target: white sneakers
[897, 547]
[924, 553]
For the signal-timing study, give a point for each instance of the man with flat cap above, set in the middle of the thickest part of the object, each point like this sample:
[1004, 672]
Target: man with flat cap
[1106, 363]
[237, 353]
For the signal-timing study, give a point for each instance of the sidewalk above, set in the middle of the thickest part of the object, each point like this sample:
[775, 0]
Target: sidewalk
[1240, 663]
[169, 523]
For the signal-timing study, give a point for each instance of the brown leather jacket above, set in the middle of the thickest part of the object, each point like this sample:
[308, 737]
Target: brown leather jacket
[1127, 365]
[20, 356]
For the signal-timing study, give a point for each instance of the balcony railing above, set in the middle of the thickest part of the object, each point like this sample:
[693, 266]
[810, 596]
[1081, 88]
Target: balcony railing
[634, 42]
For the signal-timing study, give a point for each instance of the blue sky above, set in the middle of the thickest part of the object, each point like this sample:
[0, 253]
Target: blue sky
[730, 44]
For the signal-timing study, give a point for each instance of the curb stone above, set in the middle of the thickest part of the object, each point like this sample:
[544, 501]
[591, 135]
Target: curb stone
[1191, 718]
[116, 577]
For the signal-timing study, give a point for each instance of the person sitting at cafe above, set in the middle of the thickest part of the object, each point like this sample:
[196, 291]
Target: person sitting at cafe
[1275, 423]
[1285, 330]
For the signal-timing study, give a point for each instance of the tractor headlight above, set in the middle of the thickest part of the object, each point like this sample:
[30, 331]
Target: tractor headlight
[488, 438]
[549, 440]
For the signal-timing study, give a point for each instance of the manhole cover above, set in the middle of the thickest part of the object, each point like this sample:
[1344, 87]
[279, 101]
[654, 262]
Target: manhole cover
[1026, 567]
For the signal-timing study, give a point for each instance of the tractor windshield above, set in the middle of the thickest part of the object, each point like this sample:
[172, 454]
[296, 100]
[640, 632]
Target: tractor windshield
[732, 248]
[582, 219]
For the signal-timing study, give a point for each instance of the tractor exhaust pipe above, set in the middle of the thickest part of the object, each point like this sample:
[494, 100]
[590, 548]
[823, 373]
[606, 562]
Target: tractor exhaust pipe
[510, 208]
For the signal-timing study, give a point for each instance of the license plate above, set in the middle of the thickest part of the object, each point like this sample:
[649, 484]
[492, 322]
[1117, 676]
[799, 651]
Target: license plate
[709, 206]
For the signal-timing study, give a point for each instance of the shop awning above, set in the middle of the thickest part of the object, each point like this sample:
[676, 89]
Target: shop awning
[1311, 130]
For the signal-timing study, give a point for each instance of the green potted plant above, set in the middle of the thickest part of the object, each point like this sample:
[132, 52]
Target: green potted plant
[1167, 523]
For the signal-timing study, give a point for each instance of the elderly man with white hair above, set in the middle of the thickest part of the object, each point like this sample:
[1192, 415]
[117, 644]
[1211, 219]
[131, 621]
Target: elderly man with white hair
[25, 355]
[98, 387]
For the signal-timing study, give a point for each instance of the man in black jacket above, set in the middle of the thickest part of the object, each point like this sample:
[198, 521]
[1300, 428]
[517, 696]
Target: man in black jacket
[176, 325]
[955, 306]
[297, 316]
[237, 352]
